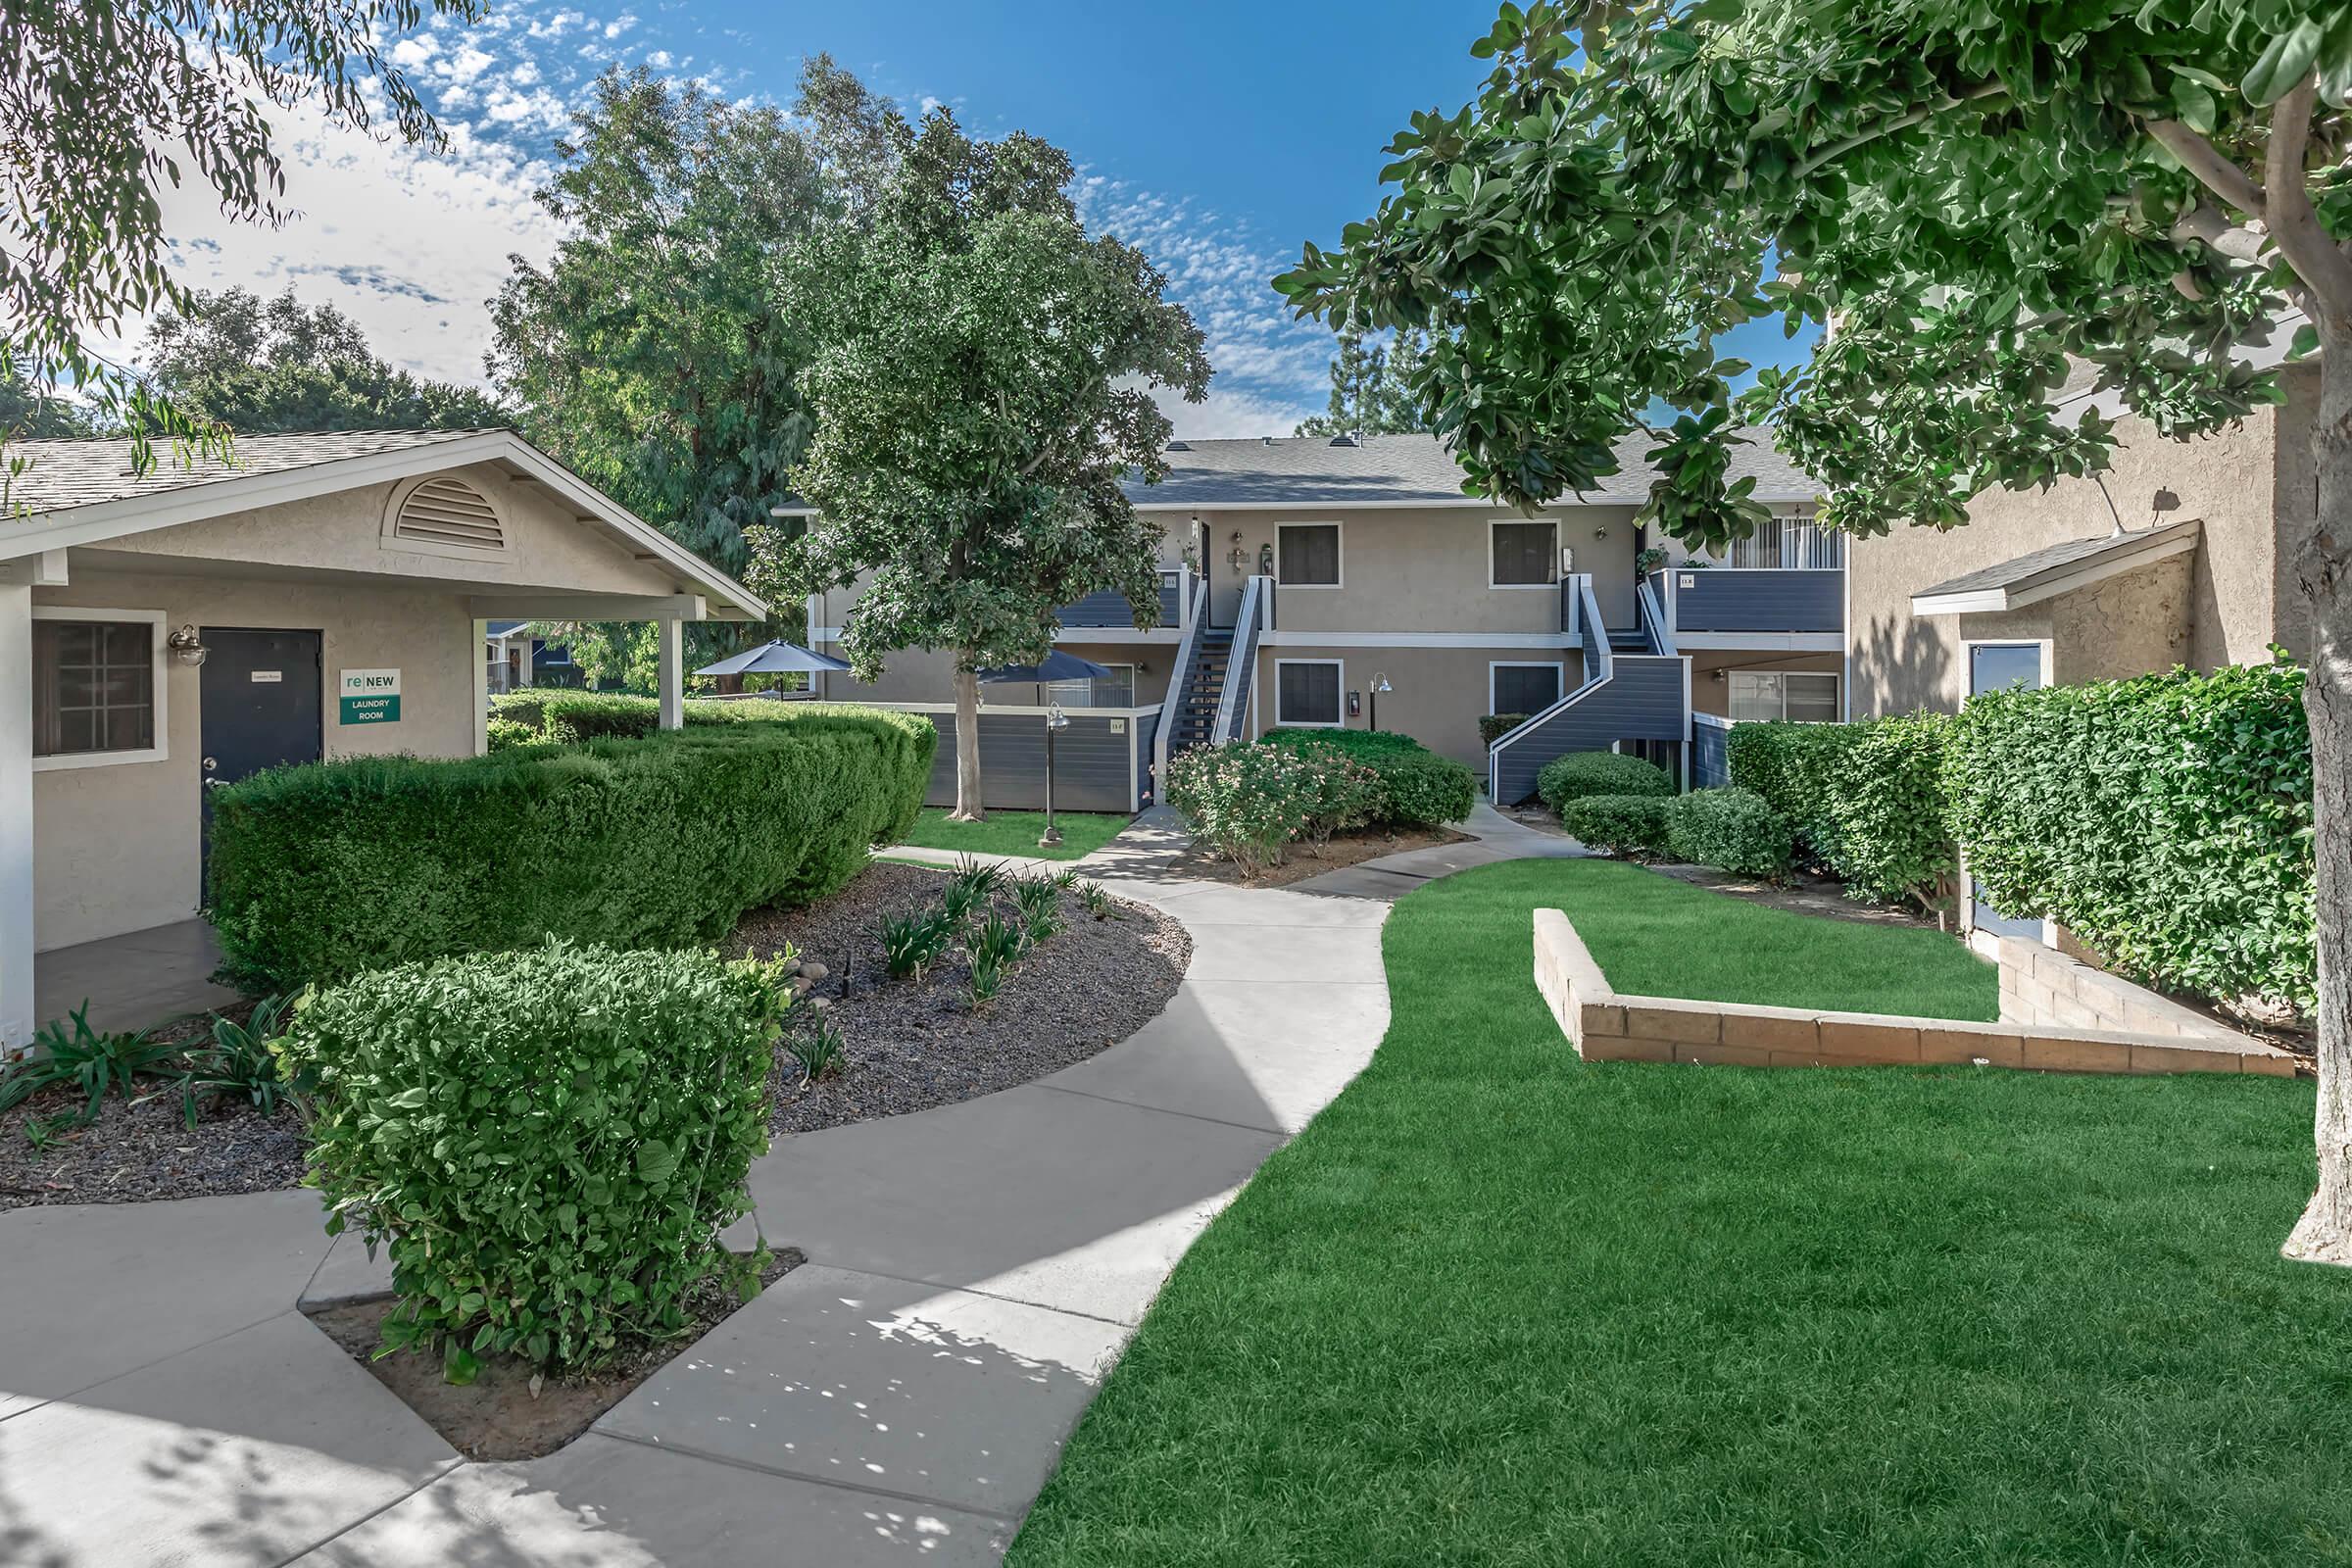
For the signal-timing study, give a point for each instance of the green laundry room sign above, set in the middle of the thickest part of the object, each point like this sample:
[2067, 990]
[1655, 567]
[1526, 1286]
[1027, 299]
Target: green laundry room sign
[370, 697]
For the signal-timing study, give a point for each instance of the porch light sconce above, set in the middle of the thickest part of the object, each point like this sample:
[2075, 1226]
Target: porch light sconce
[186, 647]
[1715, 675]
[1265, 560]
[1600, 535]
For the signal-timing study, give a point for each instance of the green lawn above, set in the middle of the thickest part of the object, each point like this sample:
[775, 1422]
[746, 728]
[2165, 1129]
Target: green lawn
[1653, 936]
[1497, 1307]
[1015, 832]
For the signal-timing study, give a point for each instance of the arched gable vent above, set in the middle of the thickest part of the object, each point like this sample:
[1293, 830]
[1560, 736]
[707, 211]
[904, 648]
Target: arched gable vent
[445, 514]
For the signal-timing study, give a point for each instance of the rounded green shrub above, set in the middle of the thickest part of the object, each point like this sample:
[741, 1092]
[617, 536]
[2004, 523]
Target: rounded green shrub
[1617, 824]
[324, 870]
[1246, 802]
[1418, 787]
[1492, 727]
[547, 1142]
[507, 732]
[1582, 773]
[1730, 829]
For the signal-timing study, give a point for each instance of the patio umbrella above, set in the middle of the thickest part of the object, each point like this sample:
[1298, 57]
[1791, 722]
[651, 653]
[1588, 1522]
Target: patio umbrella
[1056, 665]
[774, 659]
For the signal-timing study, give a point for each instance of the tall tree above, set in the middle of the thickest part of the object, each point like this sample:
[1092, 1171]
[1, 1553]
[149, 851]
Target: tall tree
[32, 411]
[980, 385]
[253, 366]
[1372, 388]
[649, 353]
[1978, 195]
[102, 103]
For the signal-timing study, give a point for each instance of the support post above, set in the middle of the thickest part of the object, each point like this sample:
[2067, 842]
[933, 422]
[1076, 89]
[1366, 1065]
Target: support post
[482, 687]
[16, 1021]
[674, 673]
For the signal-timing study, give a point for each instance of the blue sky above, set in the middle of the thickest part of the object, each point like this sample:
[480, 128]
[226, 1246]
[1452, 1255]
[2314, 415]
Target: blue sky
[1217, 137]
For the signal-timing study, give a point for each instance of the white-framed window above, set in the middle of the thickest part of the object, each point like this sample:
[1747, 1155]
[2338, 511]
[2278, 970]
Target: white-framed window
[1306, 693]
[1306, 555]
[1808, 697]
[1522, 553]
[1518, 687]
[98, 687]
[1115, 690]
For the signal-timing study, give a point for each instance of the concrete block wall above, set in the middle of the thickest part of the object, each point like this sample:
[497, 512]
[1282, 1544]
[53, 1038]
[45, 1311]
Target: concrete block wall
[1604, 1025]
[2042, 985]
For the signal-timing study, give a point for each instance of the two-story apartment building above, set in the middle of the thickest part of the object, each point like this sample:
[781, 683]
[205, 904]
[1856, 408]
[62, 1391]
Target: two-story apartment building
[1348, 583]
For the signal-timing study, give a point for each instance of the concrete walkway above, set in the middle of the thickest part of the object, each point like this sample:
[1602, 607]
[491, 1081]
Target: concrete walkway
[132, 981]
[973, 1271]
[1494, 838]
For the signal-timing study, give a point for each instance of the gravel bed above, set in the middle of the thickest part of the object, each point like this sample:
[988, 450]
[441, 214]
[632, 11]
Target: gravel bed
[909, 1045]
[136, 1151]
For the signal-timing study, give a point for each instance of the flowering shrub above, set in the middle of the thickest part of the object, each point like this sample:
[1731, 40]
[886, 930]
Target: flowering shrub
[1248, 802]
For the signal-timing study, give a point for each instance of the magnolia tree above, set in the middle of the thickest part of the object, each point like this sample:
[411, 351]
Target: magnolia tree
[1975, 198]
[980, 383]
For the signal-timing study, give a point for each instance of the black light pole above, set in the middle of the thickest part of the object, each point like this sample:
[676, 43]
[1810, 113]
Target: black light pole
[1380, 683]
[1056, 719]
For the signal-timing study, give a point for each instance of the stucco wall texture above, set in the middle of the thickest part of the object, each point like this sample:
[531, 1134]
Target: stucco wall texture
[2222, 604]
[117, 843]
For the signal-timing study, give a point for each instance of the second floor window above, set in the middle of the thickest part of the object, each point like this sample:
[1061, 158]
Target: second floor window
[1521, 554]
[1306, 555]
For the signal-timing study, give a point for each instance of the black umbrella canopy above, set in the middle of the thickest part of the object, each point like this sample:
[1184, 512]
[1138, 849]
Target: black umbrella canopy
[1056, 665]
[774, 659]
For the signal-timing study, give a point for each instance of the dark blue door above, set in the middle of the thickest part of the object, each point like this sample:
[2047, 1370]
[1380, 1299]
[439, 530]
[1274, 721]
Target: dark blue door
[1997, 668]
[261, 706]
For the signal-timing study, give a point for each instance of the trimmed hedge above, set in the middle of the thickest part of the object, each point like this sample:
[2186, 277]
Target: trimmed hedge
[1492, 727]
[1583, 773]
[572, 717]
[1618, 824]
[550, 1142]
[1866, 799]
[2166, 820]
[1729, 829]
[1418, 787]
[328, 869]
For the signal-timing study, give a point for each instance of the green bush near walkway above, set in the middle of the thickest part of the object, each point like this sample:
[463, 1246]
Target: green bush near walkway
[327, 870]
[1417, 788]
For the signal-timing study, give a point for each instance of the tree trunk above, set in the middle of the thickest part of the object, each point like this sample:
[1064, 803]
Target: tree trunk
[2322, 565]
[969, 808]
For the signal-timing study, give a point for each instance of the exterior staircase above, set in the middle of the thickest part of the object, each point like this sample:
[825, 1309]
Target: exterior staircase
[1636, 688]
[1197, 706]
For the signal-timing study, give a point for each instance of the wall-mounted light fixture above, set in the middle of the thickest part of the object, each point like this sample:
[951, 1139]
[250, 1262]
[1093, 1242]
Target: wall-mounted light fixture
[186, 645]
[1236, 558]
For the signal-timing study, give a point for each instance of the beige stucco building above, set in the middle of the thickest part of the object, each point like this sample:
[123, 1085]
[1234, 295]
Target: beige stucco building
[1341, 583]
[314, 597]
[2171, 558]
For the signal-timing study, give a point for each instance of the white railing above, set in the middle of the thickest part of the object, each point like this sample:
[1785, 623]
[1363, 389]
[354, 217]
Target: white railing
[1242, 661]
[1180, 673]
[1654, 617]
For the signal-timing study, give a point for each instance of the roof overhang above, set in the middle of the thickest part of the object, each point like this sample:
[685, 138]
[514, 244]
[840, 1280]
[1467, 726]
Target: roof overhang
[1428, 503]
[100, 521]
[2127, 552]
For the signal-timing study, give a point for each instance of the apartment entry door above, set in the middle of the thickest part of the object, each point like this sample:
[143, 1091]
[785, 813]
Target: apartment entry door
[263, 707]
[1997, 668]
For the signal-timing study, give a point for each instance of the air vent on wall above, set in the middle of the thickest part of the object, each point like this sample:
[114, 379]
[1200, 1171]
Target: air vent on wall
[449, 513]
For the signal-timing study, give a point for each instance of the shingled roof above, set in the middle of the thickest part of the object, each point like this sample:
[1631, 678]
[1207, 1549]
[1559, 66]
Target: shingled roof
[2054, 570]
[59, 476]
[1402, 471]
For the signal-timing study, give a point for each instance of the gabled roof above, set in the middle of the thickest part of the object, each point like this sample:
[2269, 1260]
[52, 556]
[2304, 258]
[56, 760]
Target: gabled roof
[80, 492]
[1402, 471]
[2055, 570]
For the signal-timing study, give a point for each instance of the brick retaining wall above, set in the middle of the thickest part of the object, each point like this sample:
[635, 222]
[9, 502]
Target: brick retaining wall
[1604, 1025]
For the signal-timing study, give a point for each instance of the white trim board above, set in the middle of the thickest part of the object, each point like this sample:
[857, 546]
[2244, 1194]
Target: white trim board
[1565, 505]
[160, 688]
[1790, 642]
[213, 498]
[1339, 693]
[1302, 638]
[2160, 544]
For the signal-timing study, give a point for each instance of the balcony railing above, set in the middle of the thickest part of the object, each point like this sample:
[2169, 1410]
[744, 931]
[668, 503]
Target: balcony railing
[1765, 599]
[1111, 612]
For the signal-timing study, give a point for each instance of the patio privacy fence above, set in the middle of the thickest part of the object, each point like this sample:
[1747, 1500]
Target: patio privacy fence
[327, 870]
[2165, 821]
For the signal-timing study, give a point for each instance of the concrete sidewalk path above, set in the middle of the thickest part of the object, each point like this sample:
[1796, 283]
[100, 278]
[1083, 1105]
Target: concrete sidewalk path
[973, 1271]
[1494, 838]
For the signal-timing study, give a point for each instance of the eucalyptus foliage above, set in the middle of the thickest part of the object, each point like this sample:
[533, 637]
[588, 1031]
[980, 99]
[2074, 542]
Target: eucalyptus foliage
[103, 105]
[1978, 197]
[981, 381]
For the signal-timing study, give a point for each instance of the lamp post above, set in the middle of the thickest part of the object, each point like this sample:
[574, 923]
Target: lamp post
[1380, 683]
[1056, 719]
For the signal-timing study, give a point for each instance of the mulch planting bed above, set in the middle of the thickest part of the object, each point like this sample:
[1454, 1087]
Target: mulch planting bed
[136, 1151]
[498, 1416]
[1303, 861]
[909, 1044]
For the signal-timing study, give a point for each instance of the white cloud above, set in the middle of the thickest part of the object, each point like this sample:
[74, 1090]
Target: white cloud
[1232, 411]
